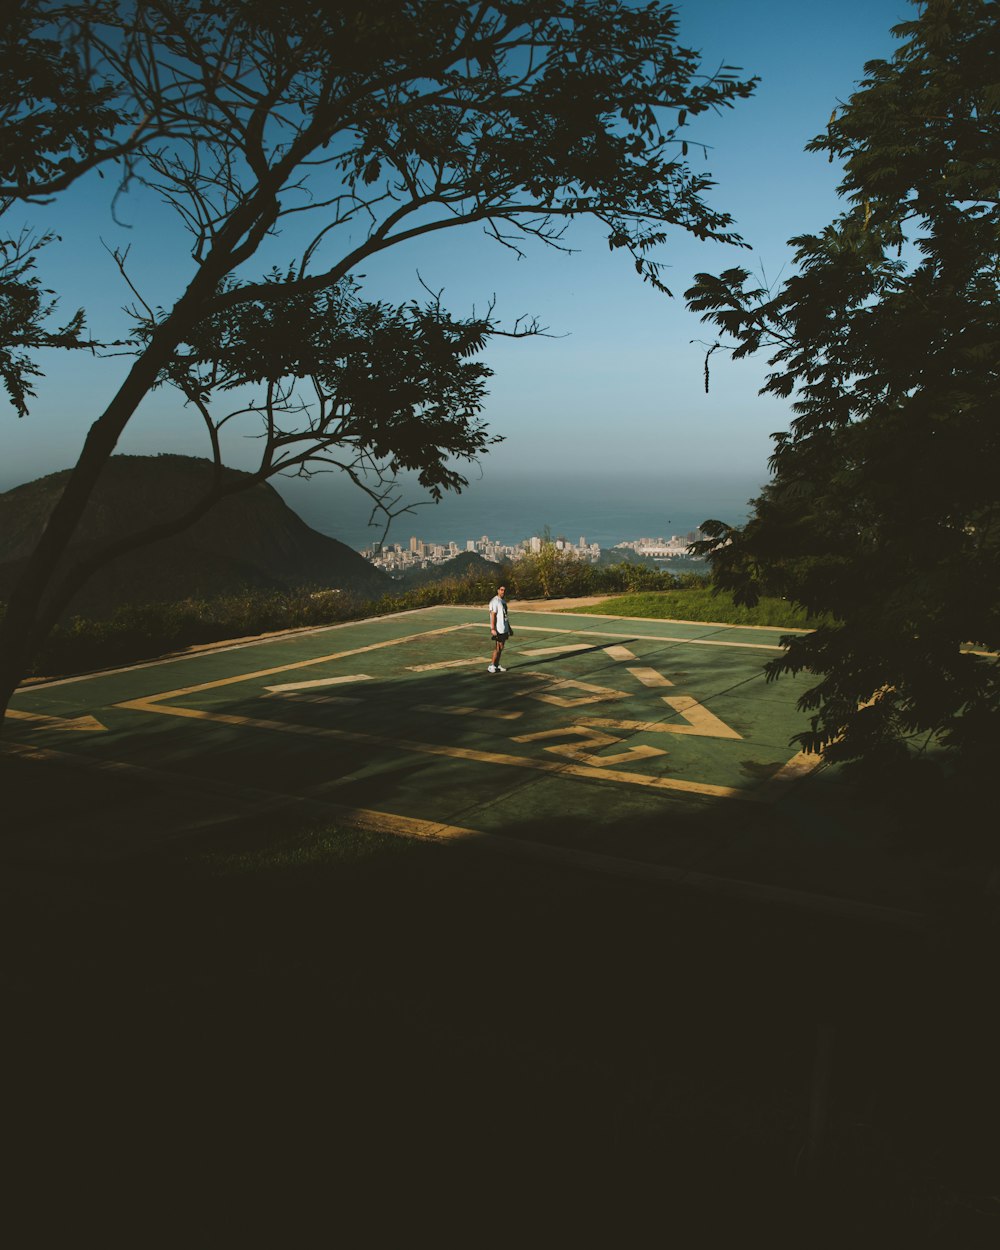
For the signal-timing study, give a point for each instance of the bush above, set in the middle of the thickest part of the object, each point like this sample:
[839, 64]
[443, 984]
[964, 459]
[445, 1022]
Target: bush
[551, 573]
[144, 631]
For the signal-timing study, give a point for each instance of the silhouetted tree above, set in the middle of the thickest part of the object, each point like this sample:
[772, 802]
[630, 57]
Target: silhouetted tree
[884, 507]
[384, 121]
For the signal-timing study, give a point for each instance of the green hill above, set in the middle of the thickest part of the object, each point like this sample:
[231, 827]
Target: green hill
[252, 540]
[466, 564]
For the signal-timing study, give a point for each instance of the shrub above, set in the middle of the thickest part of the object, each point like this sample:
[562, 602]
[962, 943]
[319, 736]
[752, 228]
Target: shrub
[141, 632]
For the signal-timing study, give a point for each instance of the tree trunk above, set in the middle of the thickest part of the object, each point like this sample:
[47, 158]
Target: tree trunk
[21, 630]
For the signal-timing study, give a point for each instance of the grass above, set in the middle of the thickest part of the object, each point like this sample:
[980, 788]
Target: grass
[703, 605]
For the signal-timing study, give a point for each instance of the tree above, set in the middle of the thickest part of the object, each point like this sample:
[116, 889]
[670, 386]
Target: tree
[56, 121]
[884, 506]
[382, 120]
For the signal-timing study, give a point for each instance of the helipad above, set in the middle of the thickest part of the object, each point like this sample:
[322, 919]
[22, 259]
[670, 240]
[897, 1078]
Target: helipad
[646, 742]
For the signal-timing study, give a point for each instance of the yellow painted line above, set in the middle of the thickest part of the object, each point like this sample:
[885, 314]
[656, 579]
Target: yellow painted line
[697, 642]
[589, 738]
[620, 653]
[672, 620]
[638, 726]
[571, 646]
[85, 724]
[404, 826]
[287, 668]
[427, 748]
[314, 685]
[429, 668]
[492, 712]
[699, 719]
[592, 693]
[307, 696]
[588, 861]
[650, 677]
[798, 766]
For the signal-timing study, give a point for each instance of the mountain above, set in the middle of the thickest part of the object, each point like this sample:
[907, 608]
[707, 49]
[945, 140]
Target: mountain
[252, 540]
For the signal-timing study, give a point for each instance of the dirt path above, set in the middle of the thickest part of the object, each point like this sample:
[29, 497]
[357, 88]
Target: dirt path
[557, 605]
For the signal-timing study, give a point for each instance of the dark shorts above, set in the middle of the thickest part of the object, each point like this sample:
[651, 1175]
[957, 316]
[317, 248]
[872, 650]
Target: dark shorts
[500, 639]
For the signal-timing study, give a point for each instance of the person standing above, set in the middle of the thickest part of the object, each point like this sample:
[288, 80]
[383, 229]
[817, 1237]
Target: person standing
[500, 629]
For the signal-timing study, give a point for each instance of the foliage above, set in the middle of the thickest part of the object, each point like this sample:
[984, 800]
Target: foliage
[59, 114]
[700, 603]
[57, 119]
[378, 121]
[387, 388]
[148, 630]
[553, 573]
[26, 309]
[884, 508]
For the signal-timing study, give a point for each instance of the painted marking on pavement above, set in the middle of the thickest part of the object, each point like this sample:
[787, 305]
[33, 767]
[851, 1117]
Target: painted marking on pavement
[493, 712]
[650, 677]
[287, 668]
[696, 642]
[590, 738]
[592, 693]
[307, 696]
[797, 767]
[633, 726]
[428, 748]
[429, 668]
[86, 724]
[590, 861]
[566, 647]
[697, 721]
[313, 685]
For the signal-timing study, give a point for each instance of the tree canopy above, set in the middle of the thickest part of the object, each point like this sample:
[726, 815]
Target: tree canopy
[884, 505]
[378, 121]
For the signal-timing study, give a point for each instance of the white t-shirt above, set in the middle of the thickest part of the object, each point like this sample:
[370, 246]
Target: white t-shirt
[499, 606]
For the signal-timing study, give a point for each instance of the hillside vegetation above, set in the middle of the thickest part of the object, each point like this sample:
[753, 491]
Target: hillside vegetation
[252, 566]
[249, 541]
[705, 604]
[467, 564]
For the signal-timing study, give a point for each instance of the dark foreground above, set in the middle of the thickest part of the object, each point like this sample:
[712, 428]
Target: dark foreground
[280, 1032]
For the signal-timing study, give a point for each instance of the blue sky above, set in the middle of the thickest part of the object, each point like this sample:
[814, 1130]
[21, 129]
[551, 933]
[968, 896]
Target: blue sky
[620, 390]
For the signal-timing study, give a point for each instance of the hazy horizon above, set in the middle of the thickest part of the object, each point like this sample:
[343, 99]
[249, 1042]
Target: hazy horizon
[604, 507]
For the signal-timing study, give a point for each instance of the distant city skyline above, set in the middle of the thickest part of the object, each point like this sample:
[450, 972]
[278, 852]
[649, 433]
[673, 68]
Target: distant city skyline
[618, 388]
[399, 557]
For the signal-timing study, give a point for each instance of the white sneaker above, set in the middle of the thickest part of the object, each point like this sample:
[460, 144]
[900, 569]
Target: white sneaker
[492, 668]
[501, 669]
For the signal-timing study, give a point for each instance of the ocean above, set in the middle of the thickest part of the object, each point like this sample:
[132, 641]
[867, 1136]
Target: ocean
[511, 508]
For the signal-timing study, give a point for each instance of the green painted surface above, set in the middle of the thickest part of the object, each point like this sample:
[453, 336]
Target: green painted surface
[511, 754]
